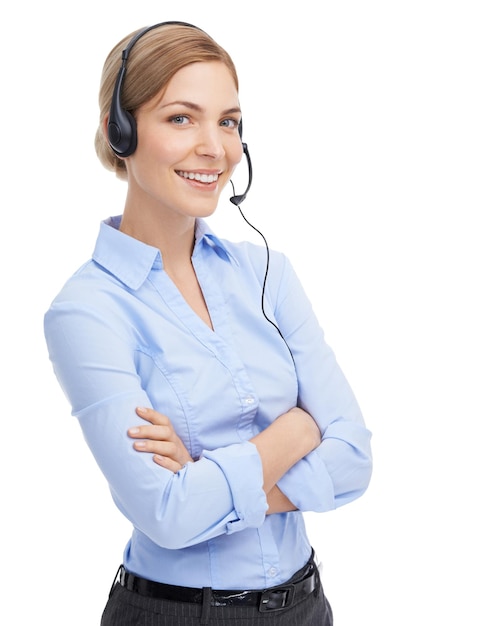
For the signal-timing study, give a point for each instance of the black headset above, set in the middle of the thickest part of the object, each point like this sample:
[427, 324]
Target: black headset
[121, 128]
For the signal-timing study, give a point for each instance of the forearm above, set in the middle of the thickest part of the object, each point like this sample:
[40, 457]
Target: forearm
[335, 473]
[287, 440]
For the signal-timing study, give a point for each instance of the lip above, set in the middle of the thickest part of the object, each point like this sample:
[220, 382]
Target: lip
[202, 179]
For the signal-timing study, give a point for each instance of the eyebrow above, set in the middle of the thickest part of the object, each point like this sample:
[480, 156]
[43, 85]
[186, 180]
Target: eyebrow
[196, 107]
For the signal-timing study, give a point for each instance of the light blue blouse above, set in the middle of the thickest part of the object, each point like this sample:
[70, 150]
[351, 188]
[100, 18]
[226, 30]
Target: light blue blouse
[120, 335]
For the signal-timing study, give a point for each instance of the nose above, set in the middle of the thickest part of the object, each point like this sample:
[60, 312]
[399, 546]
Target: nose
[210, 142]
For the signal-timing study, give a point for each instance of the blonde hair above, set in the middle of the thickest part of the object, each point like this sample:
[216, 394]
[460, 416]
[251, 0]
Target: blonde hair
[152, 63]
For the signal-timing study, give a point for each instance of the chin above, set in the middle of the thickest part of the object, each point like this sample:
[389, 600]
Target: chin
[204, 209]
[206, 213]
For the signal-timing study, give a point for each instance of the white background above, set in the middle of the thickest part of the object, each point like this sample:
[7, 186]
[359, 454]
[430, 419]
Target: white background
[367, 122]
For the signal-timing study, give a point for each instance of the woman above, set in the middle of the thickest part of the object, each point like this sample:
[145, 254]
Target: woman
[216, 422]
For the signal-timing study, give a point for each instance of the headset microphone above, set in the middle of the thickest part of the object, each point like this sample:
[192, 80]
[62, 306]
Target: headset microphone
[237, 200]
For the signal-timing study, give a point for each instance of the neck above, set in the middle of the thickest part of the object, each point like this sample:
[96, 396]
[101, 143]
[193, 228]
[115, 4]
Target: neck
[174, 237]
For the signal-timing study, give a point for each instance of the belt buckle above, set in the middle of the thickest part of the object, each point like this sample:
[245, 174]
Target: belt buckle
[276, 598]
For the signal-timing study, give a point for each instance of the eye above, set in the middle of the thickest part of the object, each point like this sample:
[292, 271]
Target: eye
[230, 122]
[180, 120]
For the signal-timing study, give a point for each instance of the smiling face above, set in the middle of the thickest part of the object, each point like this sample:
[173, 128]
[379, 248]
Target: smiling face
[188, 144]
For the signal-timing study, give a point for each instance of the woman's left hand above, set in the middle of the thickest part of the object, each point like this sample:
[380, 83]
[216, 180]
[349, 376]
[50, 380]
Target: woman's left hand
[160, 438]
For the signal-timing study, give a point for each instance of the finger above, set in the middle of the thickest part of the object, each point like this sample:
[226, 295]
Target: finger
[167, 463]
[155, 417]
[162, 448]
[157, 433]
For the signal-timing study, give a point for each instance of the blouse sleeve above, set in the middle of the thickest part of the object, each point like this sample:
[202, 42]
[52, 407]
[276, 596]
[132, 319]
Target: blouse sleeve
[219, 494]
[339, 470]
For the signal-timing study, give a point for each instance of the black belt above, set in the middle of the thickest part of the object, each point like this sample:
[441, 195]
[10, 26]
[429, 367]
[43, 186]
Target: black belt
[271, 599]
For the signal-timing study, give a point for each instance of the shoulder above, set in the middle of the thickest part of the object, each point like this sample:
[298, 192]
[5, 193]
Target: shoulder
[254, 263]
[84, 284]
[90, 298]
[248, 253]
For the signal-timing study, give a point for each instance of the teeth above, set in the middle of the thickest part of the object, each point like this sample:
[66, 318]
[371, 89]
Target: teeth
[203, 178]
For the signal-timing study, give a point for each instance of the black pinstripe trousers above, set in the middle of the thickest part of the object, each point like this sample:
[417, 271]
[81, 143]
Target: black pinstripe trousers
[126, 608]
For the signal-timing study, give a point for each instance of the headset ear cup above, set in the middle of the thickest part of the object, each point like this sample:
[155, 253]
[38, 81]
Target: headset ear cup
[122, 133]
[121, 127]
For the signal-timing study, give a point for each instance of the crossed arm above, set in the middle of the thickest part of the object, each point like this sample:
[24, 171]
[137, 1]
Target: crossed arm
[287, 440]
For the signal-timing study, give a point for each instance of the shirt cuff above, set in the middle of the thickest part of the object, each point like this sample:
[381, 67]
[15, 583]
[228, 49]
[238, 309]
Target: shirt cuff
[241, 465]
[308, 485]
